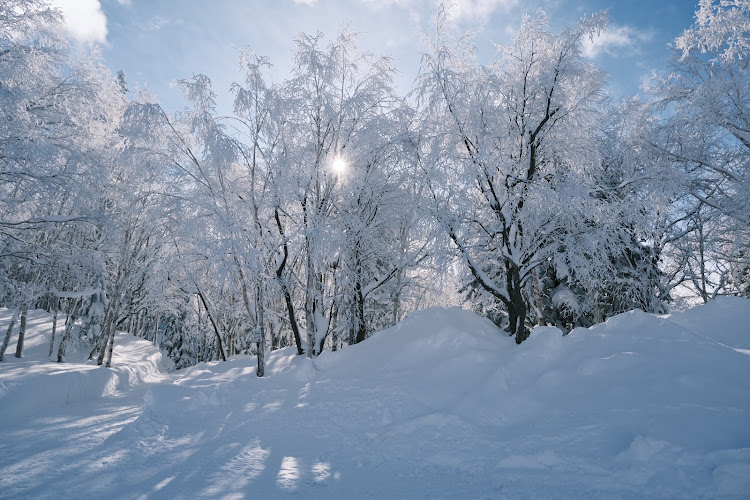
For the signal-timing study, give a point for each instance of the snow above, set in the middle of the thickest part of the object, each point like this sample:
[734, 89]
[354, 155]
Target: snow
[702, 320]
[442, 405]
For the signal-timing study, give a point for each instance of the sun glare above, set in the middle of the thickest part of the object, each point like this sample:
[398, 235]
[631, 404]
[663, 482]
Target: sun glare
[339, 165]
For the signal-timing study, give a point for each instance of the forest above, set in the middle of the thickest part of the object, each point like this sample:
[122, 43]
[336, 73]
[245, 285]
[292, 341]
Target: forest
[330, 204]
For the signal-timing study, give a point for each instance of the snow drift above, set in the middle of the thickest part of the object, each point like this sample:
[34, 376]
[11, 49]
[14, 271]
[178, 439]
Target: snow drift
[34, 382]
[442, 405]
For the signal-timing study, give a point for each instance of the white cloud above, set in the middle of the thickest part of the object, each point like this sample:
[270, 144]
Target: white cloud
[475, 10]
[306, 2]
[84, 19]
[157, 22]
[615, 40]
[387, 3]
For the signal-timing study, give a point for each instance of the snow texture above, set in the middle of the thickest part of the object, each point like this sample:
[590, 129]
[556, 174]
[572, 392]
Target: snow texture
[443, 405]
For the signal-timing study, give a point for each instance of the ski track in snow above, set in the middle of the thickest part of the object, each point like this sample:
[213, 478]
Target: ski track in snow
[440, 406]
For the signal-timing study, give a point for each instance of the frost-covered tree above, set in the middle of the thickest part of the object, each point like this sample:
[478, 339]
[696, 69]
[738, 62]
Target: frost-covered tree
[221, 254]
[258, 119]
[57, 132]
[143, 205]
[342, 155]
[705, 135]
[515, 163]
[634, 191]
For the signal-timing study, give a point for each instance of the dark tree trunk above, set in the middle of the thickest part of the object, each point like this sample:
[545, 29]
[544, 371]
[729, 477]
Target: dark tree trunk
[8, 333]
[261, 334]
[292, 319]
[69, 322]
[219, 343]
[110, 326]
[522, 332]
[103, 341]
[21, 330]
[285, 288]
[54, 327]
[360, 315]
[516, 305]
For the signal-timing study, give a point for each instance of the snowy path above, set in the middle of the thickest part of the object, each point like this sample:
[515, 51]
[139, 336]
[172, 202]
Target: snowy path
[441, 406]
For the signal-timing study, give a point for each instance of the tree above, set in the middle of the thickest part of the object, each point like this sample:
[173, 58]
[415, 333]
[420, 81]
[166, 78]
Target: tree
[516, 160]
[634, 192]
[340, 153]
[256, 109]
[705, 135]
[59, 117]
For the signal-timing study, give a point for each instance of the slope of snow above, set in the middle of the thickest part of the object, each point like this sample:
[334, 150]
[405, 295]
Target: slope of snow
[34, 381]
[442, 405]
[709, 320]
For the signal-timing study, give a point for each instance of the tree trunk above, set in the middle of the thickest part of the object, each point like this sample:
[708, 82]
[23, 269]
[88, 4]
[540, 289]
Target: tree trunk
[219, 343]
[597, 310]
[64, 339]
[100, 345]
[6, 341]
[111, 345]
[103, 350]
[275, 338]
[360, 314]
[259, 326]
[292, 319]
[284, 288]
[261, 353]
[204, 346]
[140, 321]
[403, 236]
[311, 309]
[69, 321]
[702, 261]
[539, 306]
[522, 332]
[312, 303]
[54, 328]
[110, 328]
[21, 330]
[397, 299]
[516, 305]
[156, 327]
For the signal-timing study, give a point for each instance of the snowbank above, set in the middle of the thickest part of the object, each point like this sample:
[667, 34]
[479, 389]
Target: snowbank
[35, 381]
[724, 319]
[442, 405]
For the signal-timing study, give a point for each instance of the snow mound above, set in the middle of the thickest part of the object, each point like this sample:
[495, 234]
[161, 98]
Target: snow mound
[437, 340]
[724, 319]
[442, 405]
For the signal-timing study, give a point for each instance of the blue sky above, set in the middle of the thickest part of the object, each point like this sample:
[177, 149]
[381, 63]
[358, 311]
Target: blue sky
[159, 41]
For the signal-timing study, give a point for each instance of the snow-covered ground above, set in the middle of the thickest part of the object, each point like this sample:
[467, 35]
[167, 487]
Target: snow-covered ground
[440, 406]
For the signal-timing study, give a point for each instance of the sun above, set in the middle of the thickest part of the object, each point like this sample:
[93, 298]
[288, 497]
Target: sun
[339, 165]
